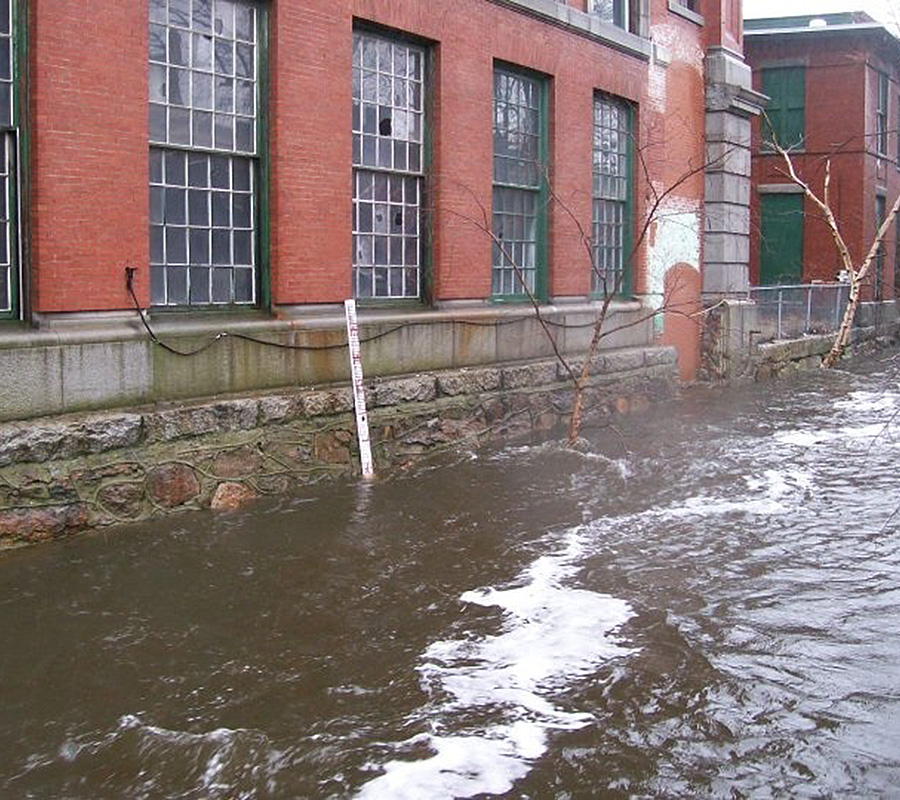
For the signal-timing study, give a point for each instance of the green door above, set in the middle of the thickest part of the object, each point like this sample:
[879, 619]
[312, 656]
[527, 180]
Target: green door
[781, 239]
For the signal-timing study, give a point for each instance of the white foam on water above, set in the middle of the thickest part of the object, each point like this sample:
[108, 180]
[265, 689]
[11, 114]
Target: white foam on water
[862, 401]
[553, 634]
[846, 433]
[771, 493]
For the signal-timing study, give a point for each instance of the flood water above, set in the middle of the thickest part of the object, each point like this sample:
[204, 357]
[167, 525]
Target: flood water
[705, 603]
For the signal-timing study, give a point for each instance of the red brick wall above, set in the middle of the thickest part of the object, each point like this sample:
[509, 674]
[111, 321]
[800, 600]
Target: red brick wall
[89, 120]
[89, 202]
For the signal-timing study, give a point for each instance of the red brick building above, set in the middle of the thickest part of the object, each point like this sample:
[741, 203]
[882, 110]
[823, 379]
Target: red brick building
[270, 159]
[834, 87]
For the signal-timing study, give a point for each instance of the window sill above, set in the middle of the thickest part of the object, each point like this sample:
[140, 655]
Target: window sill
[676, 8]
[683, 11]
[582, 23]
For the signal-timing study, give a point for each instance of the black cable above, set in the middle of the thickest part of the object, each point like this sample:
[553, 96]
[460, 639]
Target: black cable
[129, 283]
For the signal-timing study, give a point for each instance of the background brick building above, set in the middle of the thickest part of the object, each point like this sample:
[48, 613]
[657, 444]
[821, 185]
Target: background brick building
[835, 94]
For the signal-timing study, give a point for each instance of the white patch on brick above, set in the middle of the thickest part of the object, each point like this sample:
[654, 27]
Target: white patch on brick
[674, 239]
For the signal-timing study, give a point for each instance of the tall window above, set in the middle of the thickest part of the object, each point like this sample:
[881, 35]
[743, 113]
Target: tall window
[786, 109]
[204, 118]
[388, 166]
[518, 214]
[8, 143]
[623, 13]
[612, 195]
[881, 115]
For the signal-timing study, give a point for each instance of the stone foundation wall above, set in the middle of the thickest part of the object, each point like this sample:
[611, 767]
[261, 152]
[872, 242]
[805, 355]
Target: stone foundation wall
[732, 353]
[59, 476]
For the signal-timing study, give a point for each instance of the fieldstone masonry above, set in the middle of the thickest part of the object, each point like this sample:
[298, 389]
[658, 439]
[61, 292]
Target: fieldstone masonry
[59, 476]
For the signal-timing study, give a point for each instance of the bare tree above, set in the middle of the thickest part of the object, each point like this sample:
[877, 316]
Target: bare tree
[610, 284]
[856, 272]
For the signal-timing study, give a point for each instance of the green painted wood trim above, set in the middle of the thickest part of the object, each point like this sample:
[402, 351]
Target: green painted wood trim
[19, 183]
[263, 189]
[627, 284]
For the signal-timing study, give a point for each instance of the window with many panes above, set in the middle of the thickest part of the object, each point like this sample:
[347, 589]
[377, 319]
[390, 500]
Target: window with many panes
[388, 166]
[612, 195]
[9, 277]
[518, 205]
[204, 170]
[786, 110]
[881, 115]
[622, 13]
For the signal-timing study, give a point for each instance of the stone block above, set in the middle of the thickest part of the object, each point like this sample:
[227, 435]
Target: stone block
[333, 447]
[172, 485]
[32, 382]
[123, 500]
[41, 524]
[618, 361]
[219, 417]
[727, 218]
[416, 389]
[468, 381]
[654, 356]
[723, 126]
[528, 376]
[473, 344]
[406, 349]
[281, 408]
[106, 374]
[324, 402]
[729, 248]
[232, 496]
[525, 339]
[237, 463]
[723, 187]
[62, 440]
[725, 278]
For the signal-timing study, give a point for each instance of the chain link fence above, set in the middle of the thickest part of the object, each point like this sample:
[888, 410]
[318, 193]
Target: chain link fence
[789, 311]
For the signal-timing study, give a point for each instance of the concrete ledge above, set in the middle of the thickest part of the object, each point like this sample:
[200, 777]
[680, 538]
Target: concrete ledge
[80, 363]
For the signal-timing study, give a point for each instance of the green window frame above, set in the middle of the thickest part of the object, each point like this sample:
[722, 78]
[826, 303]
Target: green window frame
[613, 196]
[10, 276]
[207, 134]
[519, 218]
[881, 115]
[389, 122]
[785, 121]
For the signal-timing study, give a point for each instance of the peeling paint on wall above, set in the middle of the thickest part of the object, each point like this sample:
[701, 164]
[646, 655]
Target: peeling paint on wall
[674, 238]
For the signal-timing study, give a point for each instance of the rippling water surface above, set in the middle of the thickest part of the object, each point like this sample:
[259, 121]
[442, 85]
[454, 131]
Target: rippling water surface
[705, 602]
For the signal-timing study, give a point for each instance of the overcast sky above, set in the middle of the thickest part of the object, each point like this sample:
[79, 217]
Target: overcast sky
[883, 10]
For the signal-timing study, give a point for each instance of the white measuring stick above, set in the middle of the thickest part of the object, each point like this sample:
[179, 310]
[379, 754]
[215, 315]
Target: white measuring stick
[359, 395]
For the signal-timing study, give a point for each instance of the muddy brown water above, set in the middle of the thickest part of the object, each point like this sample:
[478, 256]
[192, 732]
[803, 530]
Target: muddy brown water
[706, 603]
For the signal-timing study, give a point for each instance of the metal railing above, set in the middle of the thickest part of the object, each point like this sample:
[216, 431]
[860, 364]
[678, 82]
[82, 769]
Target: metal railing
[788, 311]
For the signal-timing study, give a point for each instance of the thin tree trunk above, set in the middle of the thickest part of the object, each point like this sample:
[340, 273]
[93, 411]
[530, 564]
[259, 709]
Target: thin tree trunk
[843, 335]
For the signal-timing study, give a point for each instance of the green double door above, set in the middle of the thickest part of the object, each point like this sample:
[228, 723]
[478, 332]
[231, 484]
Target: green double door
[781, 239]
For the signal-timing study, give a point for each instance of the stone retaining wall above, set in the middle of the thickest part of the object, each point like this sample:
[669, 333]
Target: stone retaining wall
[732, 352]
[59, 476]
